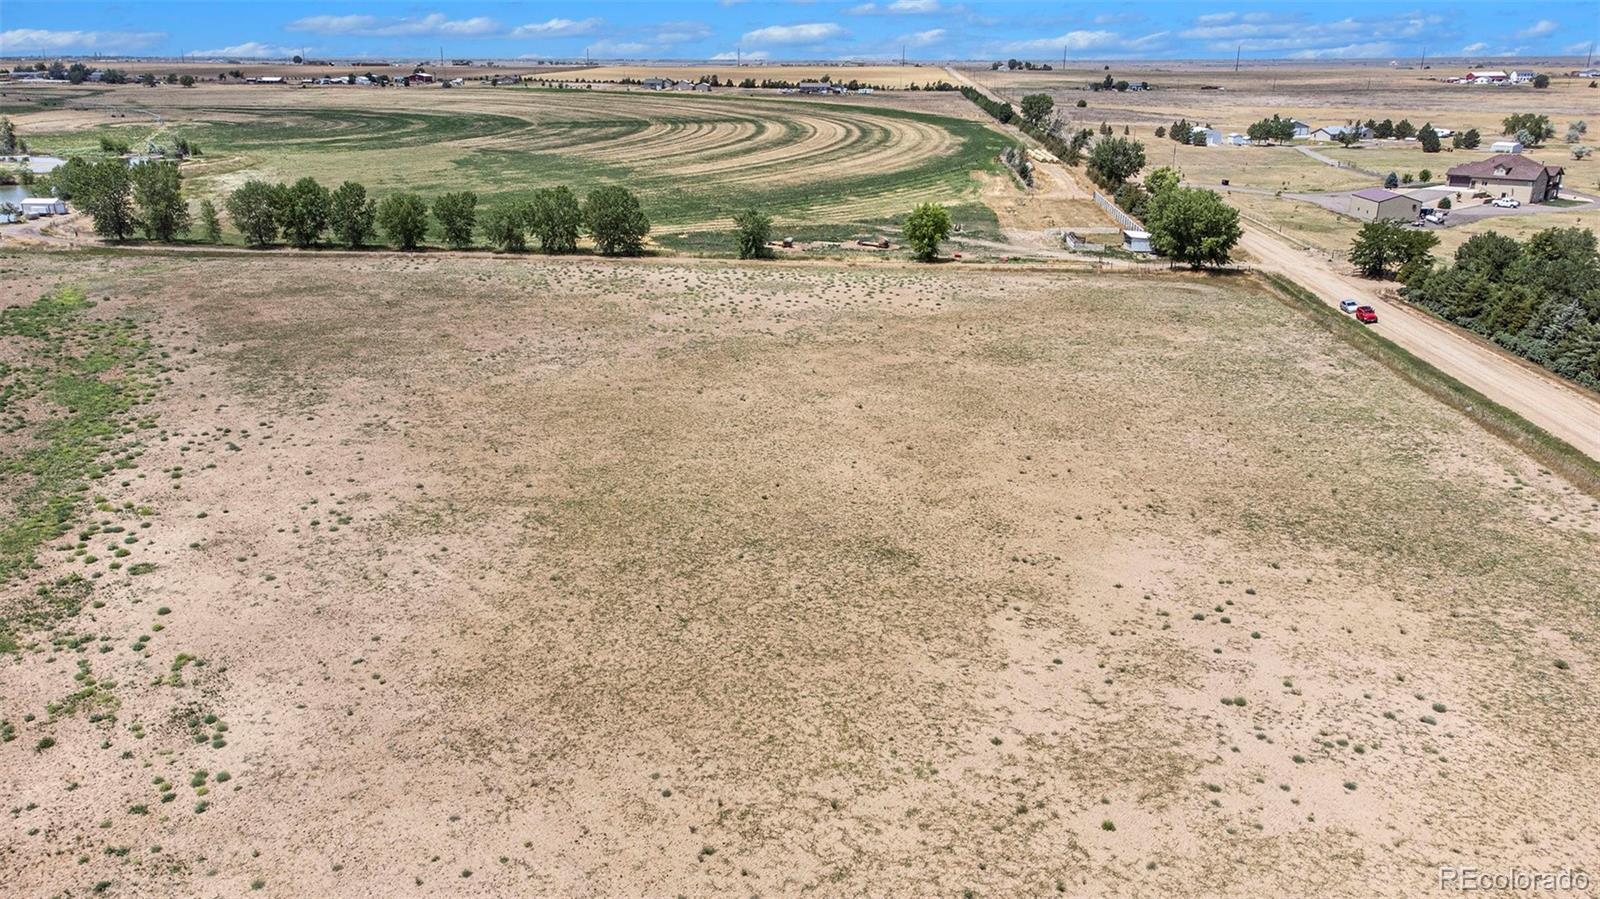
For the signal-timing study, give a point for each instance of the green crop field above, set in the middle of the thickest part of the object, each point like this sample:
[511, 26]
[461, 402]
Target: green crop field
[693, 160]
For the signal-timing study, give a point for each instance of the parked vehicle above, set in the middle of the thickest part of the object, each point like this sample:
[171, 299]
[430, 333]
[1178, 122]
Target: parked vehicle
[1348, 305]
[1366, 315]
[1434, 218]
[1505, 202]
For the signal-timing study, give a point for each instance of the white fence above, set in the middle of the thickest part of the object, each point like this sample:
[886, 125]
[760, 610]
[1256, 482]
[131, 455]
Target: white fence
[1117, 215]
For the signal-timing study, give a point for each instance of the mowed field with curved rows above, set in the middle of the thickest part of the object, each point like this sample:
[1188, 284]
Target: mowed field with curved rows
[693, 159]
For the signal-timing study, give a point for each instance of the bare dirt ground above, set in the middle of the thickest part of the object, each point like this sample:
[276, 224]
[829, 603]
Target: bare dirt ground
[527, 577]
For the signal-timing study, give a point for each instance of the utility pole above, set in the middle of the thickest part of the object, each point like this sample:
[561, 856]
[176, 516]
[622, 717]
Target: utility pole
[1424, 62]
[902, 54]
[1063, 56]
[1588, 61]
[1238, 52]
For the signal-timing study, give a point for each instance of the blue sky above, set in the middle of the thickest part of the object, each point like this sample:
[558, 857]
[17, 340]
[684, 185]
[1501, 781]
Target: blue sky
[801, 29]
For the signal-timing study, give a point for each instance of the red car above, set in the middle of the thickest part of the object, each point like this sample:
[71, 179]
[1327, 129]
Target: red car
[1366, 315]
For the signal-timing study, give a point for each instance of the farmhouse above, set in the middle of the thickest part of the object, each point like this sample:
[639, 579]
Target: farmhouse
[33, 207]
[1333, 132]
[1376, 204]
[1506, 146]
[812, 87]
[1493, 77]
[1520, 77]
[1301, 129]
[657, 84]
[1509, 175]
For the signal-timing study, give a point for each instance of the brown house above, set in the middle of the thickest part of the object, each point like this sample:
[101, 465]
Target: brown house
[1509, 175]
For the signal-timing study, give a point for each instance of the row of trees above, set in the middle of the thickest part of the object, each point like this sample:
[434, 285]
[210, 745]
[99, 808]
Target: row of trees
[1539, 299]
[304, 212]
[123, 200]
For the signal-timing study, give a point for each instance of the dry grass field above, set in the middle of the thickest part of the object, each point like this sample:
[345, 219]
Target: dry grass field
[431, 575]
[894, 77]
[1319, 96]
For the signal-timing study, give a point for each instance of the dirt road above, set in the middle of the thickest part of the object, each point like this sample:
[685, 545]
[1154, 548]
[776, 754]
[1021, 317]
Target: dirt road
[1562, 409]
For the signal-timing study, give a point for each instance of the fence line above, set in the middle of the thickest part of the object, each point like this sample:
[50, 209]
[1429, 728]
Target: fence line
[1117, 215]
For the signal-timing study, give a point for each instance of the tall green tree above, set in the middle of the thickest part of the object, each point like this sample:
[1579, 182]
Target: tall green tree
[210, 225]
[1537, 126]
[505, 228]
[70, 178]
[1036, 108]
[925, 227]
[107, 195]
[158, 193]
[1161, 179]
[615, 221]
[755, 230]
[1115, 160]
[305, 210]
[1429, 139]
[254, 210]
[1383, 246]
[404, 219]
[351, 214]
[8, 137]
[555, 217]
[456, 214]
[1192, 226]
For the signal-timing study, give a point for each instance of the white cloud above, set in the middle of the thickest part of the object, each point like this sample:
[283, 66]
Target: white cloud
[808, 33]
[556, 28]
[1579, 47]
[730, 56]
[914, 6]
[372, 26]
[1075, 41]
[1366, 50]
[682, 32]
[1477, 47]
[619, 48]
[923, 38]
[1216, 18]
[250, 50]
[1539, 29]
[864, 9]
[18, 41]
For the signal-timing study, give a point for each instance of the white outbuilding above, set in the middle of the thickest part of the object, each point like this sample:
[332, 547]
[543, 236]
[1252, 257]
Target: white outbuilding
[33, 207]
[1136, 241]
